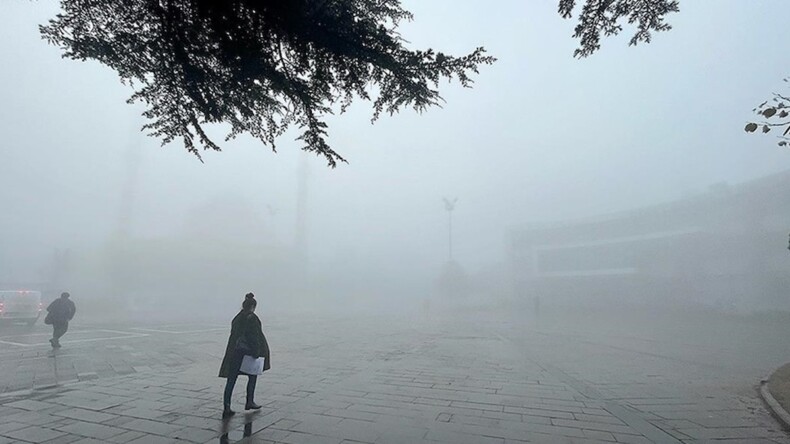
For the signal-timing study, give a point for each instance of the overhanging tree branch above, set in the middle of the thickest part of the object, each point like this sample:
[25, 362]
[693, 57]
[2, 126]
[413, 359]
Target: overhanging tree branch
[259, 66]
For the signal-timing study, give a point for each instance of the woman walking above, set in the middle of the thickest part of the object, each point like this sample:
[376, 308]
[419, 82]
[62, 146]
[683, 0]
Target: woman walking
[246, 338]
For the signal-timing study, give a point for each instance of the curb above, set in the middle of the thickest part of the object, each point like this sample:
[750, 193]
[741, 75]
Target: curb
[777, 411]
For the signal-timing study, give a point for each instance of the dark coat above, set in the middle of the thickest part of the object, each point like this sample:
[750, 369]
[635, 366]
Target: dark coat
[245, 325]
[61, 311]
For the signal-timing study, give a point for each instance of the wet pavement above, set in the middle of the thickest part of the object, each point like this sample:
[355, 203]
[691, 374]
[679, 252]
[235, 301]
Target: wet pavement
[491, 376]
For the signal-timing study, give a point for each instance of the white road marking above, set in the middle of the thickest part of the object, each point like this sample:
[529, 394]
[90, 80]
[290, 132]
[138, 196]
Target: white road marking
[152, 330]
[189, 325]
[125, 335]
[138, 332]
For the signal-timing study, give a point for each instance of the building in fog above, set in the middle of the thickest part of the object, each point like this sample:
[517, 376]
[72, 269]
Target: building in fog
[726, 247]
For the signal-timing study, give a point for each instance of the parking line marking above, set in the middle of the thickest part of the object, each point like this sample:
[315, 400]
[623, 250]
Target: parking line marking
[125, 335]
[187, 325]
[179, 332]
[15, 343]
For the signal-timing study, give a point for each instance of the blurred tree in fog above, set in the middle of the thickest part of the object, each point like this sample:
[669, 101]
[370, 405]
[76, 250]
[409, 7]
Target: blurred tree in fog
[774, 113]
[259, 66]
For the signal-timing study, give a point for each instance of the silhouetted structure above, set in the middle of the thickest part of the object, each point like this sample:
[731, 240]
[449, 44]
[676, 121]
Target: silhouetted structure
[725, 247]
[449, 206]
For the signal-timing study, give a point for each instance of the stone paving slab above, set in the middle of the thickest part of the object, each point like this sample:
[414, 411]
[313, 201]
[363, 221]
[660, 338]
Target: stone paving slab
[387, 381]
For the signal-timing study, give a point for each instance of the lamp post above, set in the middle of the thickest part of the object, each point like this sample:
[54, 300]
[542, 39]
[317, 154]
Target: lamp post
[272, 214]
[300, 238]
[449, 206]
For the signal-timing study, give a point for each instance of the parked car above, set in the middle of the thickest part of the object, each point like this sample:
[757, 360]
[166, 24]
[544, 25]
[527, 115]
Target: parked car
[21, 305]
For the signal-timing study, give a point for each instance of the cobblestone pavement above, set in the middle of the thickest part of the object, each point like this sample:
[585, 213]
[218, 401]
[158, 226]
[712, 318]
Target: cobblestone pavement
[491, 377]
[93, 351]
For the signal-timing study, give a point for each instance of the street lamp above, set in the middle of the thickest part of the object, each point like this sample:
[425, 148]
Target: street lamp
[449, 206]
[272, 214]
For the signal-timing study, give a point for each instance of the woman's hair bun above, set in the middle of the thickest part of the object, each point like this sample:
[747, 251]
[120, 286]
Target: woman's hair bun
[249, 296]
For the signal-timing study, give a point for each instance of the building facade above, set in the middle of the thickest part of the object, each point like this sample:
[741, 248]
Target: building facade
[726, 247]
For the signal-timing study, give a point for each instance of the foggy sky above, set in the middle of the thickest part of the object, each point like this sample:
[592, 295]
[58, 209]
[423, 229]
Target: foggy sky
[541, 136]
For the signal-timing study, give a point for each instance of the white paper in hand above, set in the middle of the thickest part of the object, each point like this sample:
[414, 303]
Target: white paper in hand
[252, 366]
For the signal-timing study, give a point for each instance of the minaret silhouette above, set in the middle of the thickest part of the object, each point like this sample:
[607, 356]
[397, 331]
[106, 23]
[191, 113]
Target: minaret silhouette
[300, 234]
[129, 188]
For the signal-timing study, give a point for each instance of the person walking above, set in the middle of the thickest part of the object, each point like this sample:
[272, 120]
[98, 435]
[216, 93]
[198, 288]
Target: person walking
[59, 313]
[246, 338]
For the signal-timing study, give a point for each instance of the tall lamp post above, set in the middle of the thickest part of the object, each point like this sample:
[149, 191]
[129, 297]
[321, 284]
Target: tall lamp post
[449, 206]
[300, 240]
[272, 214]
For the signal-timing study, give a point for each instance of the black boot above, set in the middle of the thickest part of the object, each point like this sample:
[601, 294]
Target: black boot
[251, 405]
[227, 412]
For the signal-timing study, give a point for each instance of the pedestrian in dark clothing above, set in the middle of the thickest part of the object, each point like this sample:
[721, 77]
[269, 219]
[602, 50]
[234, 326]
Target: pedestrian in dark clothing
[59, 313]
[246, 338]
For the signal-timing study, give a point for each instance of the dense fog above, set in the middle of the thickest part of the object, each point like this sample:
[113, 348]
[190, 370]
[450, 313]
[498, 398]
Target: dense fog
[624, 178]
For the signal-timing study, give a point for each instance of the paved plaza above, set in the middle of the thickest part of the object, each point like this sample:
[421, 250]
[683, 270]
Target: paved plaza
[484, 376]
